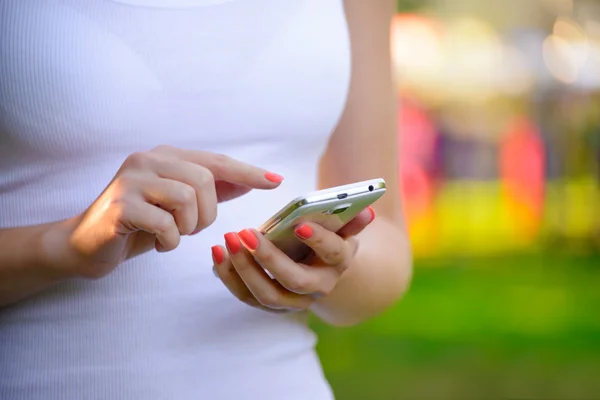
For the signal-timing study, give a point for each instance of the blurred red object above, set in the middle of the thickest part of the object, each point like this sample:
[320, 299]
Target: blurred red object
[522, 165]
[417, 141]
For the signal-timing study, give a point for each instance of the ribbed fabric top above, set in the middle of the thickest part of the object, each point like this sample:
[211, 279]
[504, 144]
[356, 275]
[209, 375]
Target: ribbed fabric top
[84, 83]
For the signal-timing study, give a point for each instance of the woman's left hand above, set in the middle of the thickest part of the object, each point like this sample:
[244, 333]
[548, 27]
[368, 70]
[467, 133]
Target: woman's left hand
[295, 286]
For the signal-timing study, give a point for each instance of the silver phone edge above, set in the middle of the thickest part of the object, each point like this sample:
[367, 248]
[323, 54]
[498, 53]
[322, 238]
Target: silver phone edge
[318, 196]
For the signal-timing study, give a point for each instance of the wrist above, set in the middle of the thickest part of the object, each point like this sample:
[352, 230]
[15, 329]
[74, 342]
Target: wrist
[55, 254]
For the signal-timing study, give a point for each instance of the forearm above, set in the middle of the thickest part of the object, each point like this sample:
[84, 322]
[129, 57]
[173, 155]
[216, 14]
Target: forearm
[378, 277]
[29, 261]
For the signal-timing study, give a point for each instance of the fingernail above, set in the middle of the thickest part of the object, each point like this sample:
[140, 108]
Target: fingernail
[304, 231]
[273, 177]
[249, 238]
[233, 242]
[217, 254]
[372, 211]
[197, 231]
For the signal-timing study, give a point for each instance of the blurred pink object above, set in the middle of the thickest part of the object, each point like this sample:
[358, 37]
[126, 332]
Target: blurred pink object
[522, 165]
[417, 140]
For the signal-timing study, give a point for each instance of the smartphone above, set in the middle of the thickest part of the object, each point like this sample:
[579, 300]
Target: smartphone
[331, 208]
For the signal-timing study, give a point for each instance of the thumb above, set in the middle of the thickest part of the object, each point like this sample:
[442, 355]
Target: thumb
[228, 191]
[358, 223]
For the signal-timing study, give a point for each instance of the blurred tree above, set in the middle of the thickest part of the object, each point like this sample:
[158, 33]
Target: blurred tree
[410, 5]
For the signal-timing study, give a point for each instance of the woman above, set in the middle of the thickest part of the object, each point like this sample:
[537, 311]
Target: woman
[122, 124]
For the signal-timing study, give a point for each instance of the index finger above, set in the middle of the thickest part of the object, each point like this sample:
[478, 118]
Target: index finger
[227, 169]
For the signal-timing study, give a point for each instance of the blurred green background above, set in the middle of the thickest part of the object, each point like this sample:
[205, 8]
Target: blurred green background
[499, 125]
[518, 326]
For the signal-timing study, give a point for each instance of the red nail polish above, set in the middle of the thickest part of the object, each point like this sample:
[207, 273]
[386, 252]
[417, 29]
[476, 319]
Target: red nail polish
[304, 231]
[273, 177]
[372, 211]
[248, 237]
[233, 242]
[217, 254]
[197, 231]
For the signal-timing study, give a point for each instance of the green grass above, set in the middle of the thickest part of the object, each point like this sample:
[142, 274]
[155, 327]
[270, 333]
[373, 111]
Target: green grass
[509, 327]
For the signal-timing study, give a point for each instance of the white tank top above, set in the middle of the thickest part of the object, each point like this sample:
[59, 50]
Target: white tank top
[84, 83]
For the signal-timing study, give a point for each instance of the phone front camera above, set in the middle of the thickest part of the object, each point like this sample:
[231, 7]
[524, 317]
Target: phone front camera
[371, 188]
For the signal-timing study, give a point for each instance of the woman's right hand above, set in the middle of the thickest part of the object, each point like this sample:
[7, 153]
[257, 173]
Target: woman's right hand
[154, 199]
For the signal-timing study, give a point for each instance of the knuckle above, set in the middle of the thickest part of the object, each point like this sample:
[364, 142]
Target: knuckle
[186, 226]
[164, 223]
[136, 160]
[270, 299]
[335, 255]
[231, 271]
[205, 178]
[163, 148]
[265, 256]
[326, 289]
[317, 240]
[302, 283]
[220, 161]
[171, 246]
[186, 196]
[225, 272]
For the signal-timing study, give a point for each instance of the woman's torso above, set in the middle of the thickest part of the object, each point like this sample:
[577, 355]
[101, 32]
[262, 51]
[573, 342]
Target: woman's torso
[84, 83]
